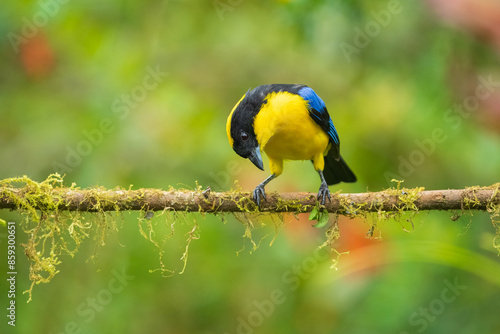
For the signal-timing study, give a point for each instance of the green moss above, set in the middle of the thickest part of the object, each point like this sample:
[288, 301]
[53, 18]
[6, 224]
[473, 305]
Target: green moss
[53, 232]
[291, 205]
[50, 232]
[191, 235]
[332, 235]
[493, 208]
[147, 222]
[161, 226]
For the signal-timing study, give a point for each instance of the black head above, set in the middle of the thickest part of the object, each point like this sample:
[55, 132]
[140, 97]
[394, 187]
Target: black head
[240, 129]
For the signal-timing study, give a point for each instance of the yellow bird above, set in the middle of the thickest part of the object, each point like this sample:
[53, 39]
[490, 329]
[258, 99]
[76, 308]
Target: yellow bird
[287, 122]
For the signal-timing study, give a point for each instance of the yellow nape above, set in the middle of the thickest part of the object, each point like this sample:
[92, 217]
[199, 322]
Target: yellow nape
[285, 131]
[228, 123]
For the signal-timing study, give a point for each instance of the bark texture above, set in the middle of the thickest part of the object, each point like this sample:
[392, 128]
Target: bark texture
[98, 199]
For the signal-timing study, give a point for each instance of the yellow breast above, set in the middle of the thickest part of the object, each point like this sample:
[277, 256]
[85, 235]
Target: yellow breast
[285, 130]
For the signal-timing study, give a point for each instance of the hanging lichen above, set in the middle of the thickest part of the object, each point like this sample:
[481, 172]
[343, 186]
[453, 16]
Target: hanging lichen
[58, 219]
[50, 232]
[494, 211]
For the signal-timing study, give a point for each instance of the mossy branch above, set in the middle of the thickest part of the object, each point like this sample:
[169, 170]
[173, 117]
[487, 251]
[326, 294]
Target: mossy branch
[99, 199]
[57, 220]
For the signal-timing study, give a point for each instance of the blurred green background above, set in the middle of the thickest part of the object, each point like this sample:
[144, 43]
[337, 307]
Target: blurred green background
[137, 93]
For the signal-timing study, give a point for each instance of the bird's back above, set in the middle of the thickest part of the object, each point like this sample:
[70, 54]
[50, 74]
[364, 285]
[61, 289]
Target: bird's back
[284, 128]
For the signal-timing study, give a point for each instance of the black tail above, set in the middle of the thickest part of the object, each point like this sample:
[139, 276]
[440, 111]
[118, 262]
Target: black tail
[337, 171]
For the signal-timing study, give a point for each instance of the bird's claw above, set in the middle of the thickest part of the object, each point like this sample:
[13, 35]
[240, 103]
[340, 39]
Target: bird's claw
[258, 193]
[324, 193]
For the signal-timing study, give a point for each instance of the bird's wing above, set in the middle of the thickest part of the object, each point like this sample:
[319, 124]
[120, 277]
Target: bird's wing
[318, 112]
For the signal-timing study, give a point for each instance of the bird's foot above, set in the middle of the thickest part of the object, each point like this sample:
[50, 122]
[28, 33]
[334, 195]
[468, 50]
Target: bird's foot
[324, 193]
[258, 193]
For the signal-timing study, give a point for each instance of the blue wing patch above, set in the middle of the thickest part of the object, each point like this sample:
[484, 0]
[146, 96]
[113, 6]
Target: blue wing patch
[319, 113]
[314, 100]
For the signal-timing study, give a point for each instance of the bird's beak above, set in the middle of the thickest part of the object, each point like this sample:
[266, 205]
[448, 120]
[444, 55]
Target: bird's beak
[256, 158]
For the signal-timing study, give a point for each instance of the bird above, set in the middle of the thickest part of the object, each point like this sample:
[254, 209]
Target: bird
[287, 122]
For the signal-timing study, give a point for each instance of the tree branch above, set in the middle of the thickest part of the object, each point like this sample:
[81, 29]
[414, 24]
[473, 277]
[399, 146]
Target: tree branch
[98, 199]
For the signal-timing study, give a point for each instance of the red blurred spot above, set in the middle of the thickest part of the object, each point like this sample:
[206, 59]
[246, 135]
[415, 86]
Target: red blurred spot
[491, 115]
[37, 56]
[479, 16]
[354, 234]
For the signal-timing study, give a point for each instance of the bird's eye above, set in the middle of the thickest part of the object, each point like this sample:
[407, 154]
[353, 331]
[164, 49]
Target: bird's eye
[244, 136]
